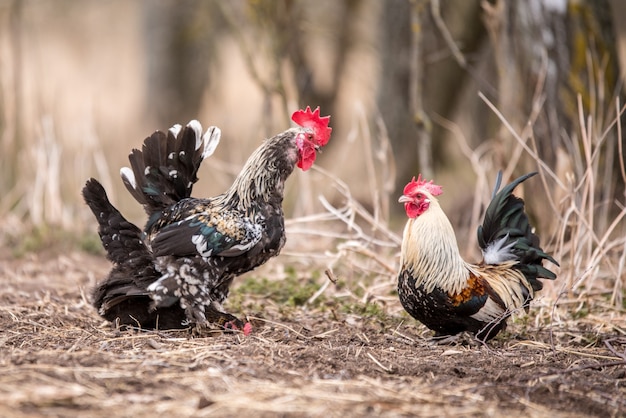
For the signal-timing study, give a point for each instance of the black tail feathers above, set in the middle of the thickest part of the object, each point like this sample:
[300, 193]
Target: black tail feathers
[121, 239]
[164, 170]
[506, 234]
[122, 295]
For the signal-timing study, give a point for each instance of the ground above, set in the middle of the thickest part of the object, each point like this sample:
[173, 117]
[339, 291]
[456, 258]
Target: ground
[58, 358]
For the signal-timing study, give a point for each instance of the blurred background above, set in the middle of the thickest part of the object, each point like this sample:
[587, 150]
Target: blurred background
[454, 89]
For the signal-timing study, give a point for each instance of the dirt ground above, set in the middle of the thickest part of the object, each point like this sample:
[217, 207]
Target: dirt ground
[58, 358]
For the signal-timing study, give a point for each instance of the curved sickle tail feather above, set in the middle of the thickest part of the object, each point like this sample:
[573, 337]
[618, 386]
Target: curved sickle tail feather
[506, 234]
[165, 169]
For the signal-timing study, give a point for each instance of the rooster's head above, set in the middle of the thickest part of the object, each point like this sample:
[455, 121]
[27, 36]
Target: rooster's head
[418, 195]
[314, 135]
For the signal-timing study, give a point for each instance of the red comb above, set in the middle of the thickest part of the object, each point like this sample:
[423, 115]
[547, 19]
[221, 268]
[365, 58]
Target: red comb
[247, 329]
[420, 183]
[308, 119]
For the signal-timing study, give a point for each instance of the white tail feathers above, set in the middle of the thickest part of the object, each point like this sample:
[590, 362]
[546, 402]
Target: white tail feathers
[211, 140]
[197, 129]
[211, 137]
[497, 252]
[175, 130]
[128, 177]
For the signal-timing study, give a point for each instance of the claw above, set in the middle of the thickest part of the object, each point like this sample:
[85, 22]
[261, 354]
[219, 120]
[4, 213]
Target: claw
[237, 325]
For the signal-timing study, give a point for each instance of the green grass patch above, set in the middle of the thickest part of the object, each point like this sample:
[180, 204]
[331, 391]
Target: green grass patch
[291, 291]
[50, 238]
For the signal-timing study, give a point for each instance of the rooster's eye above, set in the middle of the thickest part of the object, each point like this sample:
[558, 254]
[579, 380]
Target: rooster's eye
[310, 137]
[419, 196]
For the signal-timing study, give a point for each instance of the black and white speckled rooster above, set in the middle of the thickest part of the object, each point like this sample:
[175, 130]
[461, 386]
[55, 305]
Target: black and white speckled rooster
[447, 294]
[178, 270]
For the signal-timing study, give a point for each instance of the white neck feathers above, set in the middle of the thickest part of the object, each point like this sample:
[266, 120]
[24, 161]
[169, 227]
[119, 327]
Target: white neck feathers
[431, 253]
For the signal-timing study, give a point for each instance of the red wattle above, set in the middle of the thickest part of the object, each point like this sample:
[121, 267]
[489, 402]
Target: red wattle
[307, 153]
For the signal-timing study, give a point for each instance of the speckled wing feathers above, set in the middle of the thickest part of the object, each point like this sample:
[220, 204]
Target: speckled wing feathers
[208, 233]
[190, 250]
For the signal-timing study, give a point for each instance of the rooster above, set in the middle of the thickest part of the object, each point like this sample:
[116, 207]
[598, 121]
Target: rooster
[447, 294]
[177, 271]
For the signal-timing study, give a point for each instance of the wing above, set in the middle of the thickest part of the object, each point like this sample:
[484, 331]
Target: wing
[493, 294]
[479, 308]
[472, 298]
[209, 234]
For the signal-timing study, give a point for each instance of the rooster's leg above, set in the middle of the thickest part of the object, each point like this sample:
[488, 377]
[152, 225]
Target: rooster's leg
[445, 339]
[215, 314]
[463, 338]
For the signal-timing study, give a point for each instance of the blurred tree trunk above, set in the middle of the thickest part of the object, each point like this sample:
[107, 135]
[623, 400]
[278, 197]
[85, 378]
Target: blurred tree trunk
[343, 25]
[287, 24]
[179, 36]
[11, 123]
[393, 98]
[11, 108]
[421, 77]
[556, 51]
[549, 53]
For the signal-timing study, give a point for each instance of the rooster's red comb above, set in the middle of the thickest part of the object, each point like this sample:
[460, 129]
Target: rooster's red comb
[420, 183]
[308, 119]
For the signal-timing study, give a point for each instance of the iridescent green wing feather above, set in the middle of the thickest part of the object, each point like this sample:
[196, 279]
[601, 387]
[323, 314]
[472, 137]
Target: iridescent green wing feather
[208, 234]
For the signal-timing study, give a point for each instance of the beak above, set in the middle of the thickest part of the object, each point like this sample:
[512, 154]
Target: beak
[404, 198]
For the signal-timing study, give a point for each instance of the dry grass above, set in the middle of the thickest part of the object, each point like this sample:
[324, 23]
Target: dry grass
[59, 359]
[346, 347]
